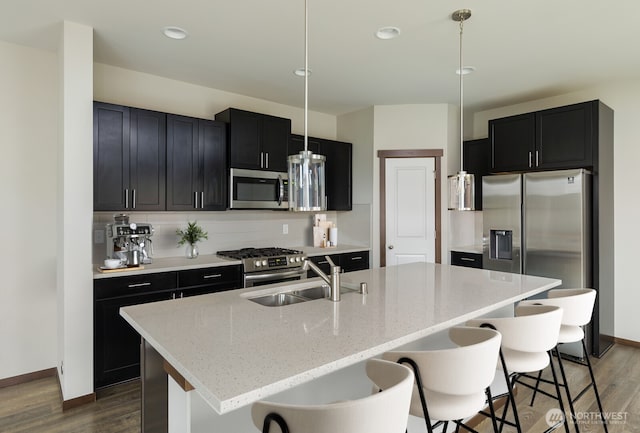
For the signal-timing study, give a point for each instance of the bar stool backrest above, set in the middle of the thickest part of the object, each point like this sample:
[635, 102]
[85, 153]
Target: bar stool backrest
[535, 328]
[577, 304]
[383, 412]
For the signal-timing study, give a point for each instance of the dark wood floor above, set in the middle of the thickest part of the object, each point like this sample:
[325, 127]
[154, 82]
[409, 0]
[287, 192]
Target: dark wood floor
[35, 406]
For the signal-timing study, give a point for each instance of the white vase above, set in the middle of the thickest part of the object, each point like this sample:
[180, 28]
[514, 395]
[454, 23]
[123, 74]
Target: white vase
[192, 251]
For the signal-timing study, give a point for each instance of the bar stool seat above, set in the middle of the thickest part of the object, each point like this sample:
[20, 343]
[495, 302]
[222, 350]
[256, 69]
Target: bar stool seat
[386, 411]
[453, 384]
[527, 340]
[577, 305]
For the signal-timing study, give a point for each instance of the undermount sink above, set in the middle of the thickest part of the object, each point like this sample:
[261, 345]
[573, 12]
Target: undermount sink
[296, 296]
[278, 299]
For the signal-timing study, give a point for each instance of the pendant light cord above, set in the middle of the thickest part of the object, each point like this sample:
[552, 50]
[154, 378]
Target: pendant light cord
[306, 74]
[461, 106]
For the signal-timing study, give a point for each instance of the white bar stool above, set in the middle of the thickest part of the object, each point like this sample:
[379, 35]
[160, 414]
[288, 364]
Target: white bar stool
[577, 306]
[453, 384]
[527, 340]
[386, 411]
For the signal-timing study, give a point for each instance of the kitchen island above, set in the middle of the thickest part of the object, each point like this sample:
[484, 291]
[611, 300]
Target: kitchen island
[233, 351]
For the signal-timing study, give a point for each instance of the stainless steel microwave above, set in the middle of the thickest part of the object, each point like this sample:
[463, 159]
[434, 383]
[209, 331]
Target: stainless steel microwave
[257, 189]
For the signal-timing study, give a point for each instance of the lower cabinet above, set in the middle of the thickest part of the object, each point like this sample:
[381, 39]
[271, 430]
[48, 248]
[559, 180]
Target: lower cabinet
[116, 344]
[470, 260]
[348, 262]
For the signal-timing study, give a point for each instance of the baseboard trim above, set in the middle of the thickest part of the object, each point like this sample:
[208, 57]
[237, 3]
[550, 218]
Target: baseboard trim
[626, 342]
[27, 377]
[78, 401]
[74, 402]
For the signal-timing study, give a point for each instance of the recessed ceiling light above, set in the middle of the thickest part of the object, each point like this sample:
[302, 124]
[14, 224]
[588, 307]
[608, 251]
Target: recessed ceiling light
[388, 32]
[466, 70]
[300, 72]
[174, 32]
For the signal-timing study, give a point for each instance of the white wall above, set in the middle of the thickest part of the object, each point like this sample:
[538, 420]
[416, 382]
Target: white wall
[75, 211]
[28, 134]
[622, 97]
[137, 89]
[413, 127]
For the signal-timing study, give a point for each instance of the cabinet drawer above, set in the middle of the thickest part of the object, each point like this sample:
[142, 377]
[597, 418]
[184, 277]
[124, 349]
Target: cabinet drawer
[354, 261]
[135, 284]
[227, 275]
[470, 260]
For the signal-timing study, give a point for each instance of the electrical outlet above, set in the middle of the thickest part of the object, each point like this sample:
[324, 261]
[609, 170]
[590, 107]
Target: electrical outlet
[98, 237]
[285, 229]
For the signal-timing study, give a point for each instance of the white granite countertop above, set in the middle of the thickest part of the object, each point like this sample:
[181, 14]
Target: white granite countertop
[166, 264]
[235, 351]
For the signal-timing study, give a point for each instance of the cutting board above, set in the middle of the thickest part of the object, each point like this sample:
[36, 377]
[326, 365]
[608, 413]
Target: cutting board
[108, 271]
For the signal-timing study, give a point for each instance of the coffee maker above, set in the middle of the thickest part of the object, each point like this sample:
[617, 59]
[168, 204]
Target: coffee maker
[129, 242]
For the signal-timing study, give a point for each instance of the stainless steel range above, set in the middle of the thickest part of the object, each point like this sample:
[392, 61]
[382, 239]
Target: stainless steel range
[269, 265]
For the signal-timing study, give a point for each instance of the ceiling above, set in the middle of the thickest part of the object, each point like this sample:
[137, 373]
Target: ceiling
[521, 50]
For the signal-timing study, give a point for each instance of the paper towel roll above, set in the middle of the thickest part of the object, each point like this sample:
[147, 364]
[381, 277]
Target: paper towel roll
[333, 236]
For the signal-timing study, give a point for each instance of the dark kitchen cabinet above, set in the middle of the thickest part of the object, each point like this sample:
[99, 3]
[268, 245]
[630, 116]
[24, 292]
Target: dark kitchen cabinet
[256, 141]
[348, 262]
[338, 168]
[209, 280]
[512, 142]
[355, 261]
[564, 136]
[196, 164]
[469, 260]
[557, 138]
[477, 161]
[116, 344]
[129, 158]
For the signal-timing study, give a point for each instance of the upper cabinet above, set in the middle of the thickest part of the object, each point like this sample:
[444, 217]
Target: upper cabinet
[256, 141]
[128, 158]
[196, 164]
[556, 138]
[338, 174]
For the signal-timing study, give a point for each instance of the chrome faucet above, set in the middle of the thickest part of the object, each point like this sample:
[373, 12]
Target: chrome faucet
[332, 280]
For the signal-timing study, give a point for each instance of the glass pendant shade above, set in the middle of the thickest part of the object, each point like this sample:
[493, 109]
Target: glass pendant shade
[306, 182]
[461, 191]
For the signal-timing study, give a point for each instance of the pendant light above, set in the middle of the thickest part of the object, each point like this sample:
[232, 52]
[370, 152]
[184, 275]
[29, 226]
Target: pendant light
[461, 185]
[306, 170]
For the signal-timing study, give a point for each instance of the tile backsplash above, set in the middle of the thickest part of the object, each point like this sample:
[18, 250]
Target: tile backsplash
[237, 229]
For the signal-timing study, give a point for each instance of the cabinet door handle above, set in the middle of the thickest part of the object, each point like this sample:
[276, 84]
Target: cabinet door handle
[133, 198]
[467, 259]
[173, 295]
[212, 276]
[126, 198]
[261, 159]
[529, 159]
[201, 199]
[139, 285]
[195, 199]
[323, 262]
[266, 160]
[537, 158]
[356, 258]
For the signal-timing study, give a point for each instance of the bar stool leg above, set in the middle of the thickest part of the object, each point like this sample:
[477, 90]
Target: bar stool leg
[535, 391]
[565, 384]
[560, 403]
[595, 388]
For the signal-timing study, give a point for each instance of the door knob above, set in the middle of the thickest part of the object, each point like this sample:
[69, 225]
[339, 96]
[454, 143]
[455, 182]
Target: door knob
[390, 247]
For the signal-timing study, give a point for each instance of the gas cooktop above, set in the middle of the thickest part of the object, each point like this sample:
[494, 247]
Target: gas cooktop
[257, 253]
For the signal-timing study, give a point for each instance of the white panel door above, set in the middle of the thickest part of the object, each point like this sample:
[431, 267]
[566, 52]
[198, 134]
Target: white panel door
[410, 210]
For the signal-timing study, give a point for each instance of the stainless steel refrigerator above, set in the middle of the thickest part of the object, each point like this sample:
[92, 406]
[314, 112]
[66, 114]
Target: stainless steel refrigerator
[540, 224]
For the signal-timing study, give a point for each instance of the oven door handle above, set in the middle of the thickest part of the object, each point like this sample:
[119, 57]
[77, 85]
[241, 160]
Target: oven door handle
[272, 275]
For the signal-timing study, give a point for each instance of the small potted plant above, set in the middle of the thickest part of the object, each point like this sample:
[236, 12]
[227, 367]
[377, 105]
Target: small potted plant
[191, 236]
